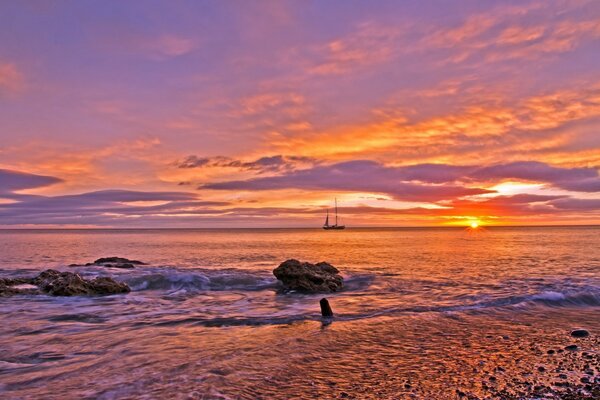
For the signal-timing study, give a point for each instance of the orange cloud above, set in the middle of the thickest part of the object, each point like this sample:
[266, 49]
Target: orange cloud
[390, 132]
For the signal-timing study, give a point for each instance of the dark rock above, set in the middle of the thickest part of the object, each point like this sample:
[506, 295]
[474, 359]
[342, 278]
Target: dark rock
[69, 284]
[123, 265]
[112, 262]
[61, 284]
[571, 347]
[307, 277]
[580, 333]
[118, 260]
[10, 287]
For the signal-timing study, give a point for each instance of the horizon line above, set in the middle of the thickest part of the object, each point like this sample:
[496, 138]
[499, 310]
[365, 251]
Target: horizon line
[303, 227]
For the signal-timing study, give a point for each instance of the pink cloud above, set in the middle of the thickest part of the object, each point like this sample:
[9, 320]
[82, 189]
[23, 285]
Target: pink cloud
[11, 79]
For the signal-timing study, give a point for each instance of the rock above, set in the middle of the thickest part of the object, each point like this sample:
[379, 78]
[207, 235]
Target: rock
[123, 265]
[118, 260]
[307, 277]
[571, 347]
[580, 333]
[60, 284]
[11, 287]
[112, 262]
[69, 284]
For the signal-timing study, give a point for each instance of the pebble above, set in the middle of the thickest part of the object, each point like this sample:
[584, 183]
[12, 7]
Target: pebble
[580, 333]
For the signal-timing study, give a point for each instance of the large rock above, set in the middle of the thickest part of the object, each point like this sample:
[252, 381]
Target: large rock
[70, 284]
[307, 277]
[58, 283]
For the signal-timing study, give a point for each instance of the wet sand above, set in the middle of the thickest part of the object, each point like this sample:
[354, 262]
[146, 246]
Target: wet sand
[507, 354]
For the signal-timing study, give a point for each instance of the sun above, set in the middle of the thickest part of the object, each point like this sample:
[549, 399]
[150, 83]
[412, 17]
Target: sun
[474, 225]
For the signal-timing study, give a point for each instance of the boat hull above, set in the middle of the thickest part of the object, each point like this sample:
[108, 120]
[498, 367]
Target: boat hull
[334, 227]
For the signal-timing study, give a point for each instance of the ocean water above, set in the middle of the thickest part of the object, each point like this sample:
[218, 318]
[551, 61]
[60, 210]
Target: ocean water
[424, 312]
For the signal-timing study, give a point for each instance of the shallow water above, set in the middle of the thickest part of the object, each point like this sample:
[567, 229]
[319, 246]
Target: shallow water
[205, 320]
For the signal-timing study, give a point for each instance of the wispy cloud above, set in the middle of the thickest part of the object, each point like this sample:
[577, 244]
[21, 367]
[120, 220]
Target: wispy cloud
[370, 44]
[170, 45]
[12, 79]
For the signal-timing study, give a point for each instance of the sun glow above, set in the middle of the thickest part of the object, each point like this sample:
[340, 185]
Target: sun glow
[474, 225]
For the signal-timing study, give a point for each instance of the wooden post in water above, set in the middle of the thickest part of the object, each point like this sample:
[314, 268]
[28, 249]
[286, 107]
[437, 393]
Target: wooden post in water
[325, 308]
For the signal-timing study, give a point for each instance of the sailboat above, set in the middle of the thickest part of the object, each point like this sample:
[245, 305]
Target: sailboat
[326, 226]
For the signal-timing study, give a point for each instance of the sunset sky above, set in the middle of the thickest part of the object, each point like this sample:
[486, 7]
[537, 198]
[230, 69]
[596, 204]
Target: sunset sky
[260, 113]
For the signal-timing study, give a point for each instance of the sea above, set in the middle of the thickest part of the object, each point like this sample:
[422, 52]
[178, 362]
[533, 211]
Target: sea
[430, 313]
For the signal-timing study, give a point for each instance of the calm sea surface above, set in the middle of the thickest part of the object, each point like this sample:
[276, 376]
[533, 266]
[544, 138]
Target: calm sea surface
[204, 319]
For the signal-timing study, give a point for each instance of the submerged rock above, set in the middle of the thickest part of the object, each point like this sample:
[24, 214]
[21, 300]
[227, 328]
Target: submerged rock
[118, 260]
[58, 283]
[11, 287]
[112, 262]
[307, 277]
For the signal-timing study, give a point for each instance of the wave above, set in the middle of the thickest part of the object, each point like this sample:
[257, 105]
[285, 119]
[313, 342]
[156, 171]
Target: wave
[213, 280]
[589, 297]
[174, 279]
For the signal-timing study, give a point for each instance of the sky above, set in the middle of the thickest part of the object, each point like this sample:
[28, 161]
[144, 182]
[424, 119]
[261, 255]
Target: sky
[144, 114]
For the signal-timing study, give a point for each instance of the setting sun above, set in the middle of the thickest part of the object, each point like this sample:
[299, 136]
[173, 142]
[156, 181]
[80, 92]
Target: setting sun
[474, 225]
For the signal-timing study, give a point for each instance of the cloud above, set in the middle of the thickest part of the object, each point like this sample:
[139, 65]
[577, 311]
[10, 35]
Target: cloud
[289, 103]
[360, 175]
[421, 182]
[106, 207]
[172, 45]
[11, 79]
[503, 127]
[276, 163]
[577, 204]
[485, 37]
[11, 181]
[370, 44]
[575, 179]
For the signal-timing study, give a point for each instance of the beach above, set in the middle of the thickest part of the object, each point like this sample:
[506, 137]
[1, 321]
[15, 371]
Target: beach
[425, 313]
